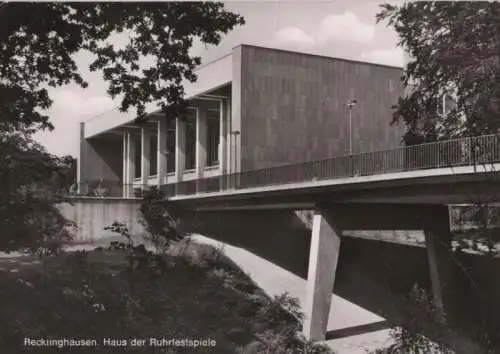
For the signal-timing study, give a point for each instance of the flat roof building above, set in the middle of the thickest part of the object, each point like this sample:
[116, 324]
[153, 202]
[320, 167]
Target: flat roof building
[254, 108]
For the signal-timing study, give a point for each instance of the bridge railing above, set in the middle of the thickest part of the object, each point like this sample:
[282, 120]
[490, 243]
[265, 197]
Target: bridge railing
[106, 189]
[450, 153]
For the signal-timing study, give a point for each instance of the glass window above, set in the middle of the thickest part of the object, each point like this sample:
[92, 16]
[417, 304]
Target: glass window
[191, 140]
[171, 146]
[137, 158]
[153, 155]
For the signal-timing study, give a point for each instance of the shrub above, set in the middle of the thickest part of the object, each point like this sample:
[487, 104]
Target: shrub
[160, 219]
[278, 322]
[425, 328]
[31, 182]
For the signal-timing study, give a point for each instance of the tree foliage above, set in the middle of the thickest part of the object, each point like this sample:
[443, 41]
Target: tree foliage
[454, 47]
[38, 42]
[31, 184]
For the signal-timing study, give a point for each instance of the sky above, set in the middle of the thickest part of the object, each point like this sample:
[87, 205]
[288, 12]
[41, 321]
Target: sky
[337, 28]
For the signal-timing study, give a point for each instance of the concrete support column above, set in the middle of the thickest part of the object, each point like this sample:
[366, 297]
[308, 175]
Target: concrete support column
[162, 151]
[81, 157]
[180, 149]
[229, 149]
[145, 157]
[438, 239]
[125, 166]
[201, 142]
[323, 258]
[223, 118]
[130, 164]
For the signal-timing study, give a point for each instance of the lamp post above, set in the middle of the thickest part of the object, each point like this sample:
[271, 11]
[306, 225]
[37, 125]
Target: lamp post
[352, 103]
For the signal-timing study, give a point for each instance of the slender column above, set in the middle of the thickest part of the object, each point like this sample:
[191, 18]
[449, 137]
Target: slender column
[223, 146]
[237, 151]
[145, 156]
[130, 164]
[79, 162]
[229, 143]
[229, 139]
[222, 136]
[236, 134]
[125, 166]
[180, 148]
[323, 257]
[201, 141]
[162, 151]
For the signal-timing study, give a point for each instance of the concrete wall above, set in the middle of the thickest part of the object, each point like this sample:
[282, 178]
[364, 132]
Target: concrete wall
[294, 106]
[93, 214]
[100, 158]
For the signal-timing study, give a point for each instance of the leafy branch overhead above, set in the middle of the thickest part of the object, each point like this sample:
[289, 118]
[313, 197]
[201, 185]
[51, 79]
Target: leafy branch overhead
[455, 49]
[38, 42]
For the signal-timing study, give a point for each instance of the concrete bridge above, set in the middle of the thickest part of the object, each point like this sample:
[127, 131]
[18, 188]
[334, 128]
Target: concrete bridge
[408, 188]
[405, 189]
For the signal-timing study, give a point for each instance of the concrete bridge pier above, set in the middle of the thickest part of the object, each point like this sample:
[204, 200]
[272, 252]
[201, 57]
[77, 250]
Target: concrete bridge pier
[323, 258]
[328, 223]
[311, 249]
[438, 238]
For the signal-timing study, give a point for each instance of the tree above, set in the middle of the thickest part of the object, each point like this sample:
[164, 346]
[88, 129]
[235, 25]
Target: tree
[30, 191]
[454, 48]
[37, 44]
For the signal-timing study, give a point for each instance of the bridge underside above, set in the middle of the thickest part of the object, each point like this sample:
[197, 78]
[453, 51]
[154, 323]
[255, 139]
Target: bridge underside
[323, 240]
[443, 193]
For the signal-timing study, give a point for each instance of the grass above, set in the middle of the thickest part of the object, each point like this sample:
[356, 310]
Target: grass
[200, 295]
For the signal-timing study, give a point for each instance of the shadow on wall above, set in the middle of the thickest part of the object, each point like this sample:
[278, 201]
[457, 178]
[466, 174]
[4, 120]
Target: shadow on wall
[92, 215]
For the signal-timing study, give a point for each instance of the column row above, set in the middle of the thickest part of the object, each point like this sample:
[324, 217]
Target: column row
[205, 142]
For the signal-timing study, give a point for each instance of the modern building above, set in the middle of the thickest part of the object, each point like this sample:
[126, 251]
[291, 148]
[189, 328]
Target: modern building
[254, 108]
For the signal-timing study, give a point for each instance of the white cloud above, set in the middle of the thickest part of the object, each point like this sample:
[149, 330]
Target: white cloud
[70, 107]
[346, 27]
[393, 56]
[293, 36]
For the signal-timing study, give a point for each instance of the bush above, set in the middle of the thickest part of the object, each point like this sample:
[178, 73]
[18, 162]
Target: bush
[106, 294]
[278, 322]
[31, 182]
[160, 220]
[425, 328]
